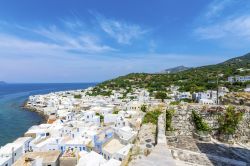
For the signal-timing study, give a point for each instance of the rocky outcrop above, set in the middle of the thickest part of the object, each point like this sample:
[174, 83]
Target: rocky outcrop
[237, 98]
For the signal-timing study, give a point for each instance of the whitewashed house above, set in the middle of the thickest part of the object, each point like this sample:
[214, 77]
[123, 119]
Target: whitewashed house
[25, 142]
[11, 150]
[116, 150]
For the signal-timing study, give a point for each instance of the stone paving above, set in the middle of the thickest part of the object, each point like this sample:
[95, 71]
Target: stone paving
[145, 142]
[193, 151]
[184, 150]
[160, 154]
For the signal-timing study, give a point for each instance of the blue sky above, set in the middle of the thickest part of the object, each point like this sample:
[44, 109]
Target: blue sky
[93, 40]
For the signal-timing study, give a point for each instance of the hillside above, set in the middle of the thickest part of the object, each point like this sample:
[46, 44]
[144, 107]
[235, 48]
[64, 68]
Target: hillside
[175, 70]
[193, 80]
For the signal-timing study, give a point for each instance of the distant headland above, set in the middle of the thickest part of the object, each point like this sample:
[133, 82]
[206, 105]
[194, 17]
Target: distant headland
[2, 82]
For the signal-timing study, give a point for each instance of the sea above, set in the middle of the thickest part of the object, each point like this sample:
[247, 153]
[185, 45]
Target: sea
[14, 119]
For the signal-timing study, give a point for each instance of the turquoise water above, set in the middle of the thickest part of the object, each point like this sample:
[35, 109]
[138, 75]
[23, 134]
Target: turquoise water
[14, 120]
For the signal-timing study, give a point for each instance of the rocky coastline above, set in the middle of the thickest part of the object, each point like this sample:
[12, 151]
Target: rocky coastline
[26, 107]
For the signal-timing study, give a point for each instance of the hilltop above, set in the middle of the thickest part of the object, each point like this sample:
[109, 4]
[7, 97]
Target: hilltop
[193, 80]
[175, 69]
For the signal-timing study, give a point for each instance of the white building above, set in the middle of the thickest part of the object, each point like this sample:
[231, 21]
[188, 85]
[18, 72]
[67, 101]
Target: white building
[5, 161]
[183, 95]
[247, 89]
[233, 79]
[126, 134]
[12, 151]
[25, 142]
[116, 150]
[207, 101]
[91, 159]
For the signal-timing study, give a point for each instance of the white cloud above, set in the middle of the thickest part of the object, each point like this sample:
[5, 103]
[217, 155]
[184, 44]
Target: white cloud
[13, 45]
[233, 28]
[76, 40]
[121, 31]
[216, 7]
[71, 36]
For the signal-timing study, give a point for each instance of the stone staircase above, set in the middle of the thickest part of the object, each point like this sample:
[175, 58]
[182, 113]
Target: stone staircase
[160, 155]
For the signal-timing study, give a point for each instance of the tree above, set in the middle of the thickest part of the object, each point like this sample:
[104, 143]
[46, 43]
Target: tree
[78, 96]
[229, 121]
[143, 108]
[161, 95]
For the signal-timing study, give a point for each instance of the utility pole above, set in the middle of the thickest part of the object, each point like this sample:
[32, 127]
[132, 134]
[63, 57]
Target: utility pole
[217, 96]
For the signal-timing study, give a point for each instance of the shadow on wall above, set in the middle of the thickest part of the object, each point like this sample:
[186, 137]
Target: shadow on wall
[220, 154]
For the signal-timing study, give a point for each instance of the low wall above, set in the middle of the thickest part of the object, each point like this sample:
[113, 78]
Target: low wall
[183, 124]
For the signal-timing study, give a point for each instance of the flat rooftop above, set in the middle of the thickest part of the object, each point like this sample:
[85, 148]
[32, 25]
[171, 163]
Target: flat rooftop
[3, 160]
[113, 146]
[48, 157]
[22, 139]
[7, 149]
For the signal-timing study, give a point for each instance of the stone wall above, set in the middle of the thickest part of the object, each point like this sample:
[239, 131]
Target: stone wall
[237, 98]
[183, 125]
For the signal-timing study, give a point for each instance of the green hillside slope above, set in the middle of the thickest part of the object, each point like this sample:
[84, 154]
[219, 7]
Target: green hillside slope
[194, 79]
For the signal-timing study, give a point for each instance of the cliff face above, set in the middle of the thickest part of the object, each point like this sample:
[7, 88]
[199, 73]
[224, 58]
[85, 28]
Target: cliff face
[183, 125]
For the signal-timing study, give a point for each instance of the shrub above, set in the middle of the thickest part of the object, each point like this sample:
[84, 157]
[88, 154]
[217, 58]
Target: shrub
[143, 108]
[199, 123]
[229, 121]
[152, 116]
[169, 115]
[187, 100]
[175, 103]
[115, 111]
[78, 96]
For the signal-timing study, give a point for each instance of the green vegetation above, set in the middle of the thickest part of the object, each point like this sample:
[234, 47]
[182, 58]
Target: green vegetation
[99, 91]
[78, 96]
[193, 80]
[101, 116]
[174, 102]
[115, 111]
[187, 100]
[199, 123]
[229, 121]
[143, 108]
[169, 115]
[151, 116]
[161, 95]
